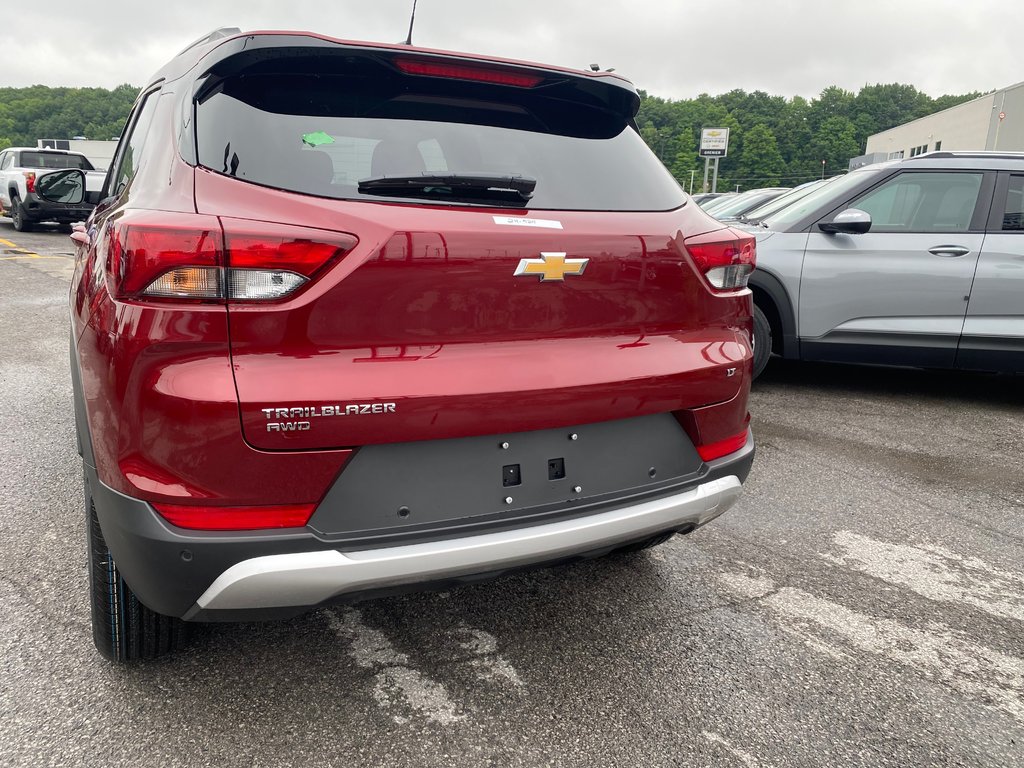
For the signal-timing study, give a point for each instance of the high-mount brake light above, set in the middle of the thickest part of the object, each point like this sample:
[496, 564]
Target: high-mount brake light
[453, 71]
[725, 257]
[187, 257]
[210, 518]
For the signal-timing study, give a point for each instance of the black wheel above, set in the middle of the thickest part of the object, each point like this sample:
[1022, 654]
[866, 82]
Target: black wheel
[762, 341]
[122, 627]
[18, 216]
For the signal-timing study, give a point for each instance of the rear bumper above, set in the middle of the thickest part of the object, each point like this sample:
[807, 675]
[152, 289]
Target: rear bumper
[38, 209]
[241, 576]
[311, 578]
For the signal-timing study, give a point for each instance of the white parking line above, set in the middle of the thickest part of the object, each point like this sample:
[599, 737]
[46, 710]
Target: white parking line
[938, 652]
[488, 663]
[936, 573]
[745, 758]
[397, 685]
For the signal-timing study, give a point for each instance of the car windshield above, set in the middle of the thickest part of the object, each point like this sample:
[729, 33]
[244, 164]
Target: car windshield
[792, 214]
[324, 134]
[710, 204]
[54, 160]
[742, 202]
[782, 201]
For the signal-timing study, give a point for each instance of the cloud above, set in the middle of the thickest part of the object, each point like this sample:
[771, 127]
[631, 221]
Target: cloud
[668, 48]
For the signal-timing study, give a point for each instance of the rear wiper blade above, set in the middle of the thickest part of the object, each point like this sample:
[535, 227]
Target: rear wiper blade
[452, 185]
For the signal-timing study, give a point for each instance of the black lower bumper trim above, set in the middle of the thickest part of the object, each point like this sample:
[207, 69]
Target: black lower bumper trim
[169, 568]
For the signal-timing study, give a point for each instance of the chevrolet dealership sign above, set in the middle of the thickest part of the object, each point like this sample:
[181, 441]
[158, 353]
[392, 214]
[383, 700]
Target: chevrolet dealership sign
[714, 142]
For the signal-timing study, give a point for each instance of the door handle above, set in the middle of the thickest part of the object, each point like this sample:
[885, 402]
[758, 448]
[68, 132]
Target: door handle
[949, 250]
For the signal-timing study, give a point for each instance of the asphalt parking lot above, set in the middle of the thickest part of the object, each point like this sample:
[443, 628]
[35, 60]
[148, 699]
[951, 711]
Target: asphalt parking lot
[862, 605]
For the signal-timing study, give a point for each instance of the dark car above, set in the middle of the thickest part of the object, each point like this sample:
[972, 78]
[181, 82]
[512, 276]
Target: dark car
[353, 318]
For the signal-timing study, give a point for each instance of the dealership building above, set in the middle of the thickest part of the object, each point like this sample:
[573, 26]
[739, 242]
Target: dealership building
[994, 121]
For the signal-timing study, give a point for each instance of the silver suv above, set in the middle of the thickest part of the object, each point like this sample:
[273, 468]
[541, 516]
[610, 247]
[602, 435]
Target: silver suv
[912, 263]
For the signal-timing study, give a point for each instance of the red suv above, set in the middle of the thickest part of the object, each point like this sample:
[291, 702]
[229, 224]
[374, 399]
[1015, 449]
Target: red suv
[352, 318]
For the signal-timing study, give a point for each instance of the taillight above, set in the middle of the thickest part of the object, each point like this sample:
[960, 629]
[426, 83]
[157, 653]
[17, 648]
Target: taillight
[165, 255]
[209, 518]
[187, 257]
[491, 75]
[269, 261]
[725, 258]
[723, 447]
[30, 180]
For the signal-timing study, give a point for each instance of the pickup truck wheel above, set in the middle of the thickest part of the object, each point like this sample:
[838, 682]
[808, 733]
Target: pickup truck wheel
[18, 216]
[122, 627]
[762, 341]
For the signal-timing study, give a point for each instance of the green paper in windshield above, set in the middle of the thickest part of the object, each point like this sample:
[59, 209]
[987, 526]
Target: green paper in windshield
[318, 138]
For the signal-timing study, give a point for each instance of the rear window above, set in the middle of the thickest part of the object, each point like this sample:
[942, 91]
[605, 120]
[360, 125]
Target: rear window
[323, 134]
[54, 160]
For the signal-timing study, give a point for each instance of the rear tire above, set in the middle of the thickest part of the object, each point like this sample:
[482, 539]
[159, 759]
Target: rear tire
[21, 224]
[762, 341]
[122, 627]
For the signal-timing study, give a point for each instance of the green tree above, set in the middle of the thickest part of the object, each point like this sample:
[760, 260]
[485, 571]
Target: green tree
[833, 102]
[39, 112]
[760, 163]
[945, 102]
[835, 142]
[686, 167]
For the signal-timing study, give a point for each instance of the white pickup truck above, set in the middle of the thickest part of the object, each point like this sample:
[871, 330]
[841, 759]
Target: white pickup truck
[19, 167]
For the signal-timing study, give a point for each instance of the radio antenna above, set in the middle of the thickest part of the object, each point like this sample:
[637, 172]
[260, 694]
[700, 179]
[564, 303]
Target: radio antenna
[412, 20]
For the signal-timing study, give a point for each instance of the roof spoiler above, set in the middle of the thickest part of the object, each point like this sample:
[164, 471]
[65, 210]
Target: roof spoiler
[216, 34]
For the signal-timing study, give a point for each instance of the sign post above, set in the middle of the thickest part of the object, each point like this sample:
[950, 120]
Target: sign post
[714, 143]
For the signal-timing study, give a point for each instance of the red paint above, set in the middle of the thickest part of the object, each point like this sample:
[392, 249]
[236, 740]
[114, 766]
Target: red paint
[414, 305]
[433, 288]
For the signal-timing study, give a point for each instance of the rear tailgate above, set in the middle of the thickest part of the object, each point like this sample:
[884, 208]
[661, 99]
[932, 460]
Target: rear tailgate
[424, 331]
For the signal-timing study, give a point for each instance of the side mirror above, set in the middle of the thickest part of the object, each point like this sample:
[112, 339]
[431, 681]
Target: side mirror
[852, 221]
[67, 186]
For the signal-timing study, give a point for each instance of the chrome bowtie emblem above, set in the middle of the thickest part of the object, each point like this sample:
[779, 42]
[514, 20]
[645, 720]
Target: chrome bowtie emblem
[551, 266]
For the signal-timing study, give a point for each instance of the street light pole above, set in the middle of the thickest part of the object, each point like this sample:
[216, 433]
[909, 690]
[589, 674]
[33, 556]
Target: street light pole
[822, 169]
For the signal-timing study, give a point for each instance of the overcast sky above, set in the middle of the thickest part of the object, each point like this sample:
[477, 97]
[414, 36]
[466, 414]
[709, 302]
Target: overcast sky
[671, 48]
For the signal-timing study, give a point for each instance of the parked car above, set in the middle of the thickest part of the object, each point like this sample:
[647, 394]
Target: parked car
[706, 197]
[19, 167]
[908, 263]
[717, 199]
[353, 318]
[732, 208]
[755, 215]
